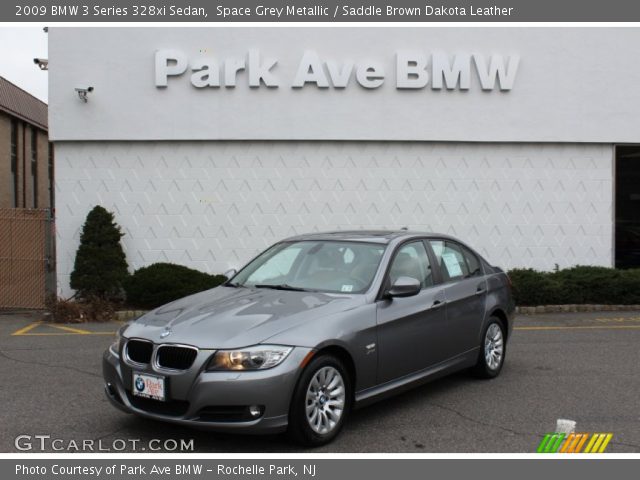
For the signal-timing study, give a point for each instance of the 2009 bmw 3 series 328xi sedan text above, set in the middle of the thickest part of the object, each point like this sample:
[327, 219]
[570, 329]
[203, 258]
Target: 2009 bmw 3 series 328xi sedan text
[312, 327]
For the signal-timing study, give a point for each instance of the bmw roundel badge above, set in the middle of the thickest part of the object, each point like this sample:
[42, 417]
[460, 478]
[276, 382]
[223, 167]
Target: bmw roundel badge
[140, 384]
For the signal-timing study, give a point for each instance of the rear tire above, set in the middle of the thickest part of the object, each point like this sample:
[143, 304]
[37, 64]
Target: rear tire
[321, 402]
[493, 349]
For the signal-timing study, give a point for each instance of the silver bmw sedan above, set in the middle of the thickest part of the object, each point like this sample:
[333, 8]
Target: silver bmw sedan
[311, 328]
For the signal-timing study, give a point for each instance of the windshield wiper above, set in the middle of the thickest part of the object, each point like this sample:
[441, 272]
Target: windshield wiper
[282, 286]
[233, 285]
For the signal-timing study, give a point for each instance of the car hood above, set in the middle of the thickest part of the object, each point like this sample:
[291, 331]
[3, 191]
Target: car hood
[228, 317]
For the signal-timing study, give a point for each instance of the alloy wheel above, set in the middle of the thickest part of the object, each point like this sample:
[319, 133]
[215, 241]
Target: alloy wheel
[325, 400]
[493, 346]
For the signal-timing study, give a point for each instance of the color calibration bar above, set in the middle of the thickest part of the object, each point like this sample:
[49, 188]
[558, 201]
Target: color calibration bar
[574, 443]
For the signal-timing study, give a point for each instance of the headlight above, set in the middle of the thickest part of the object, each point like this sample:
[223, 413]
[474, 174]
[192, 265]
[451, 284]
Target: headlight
[114, 348]
[259, 357]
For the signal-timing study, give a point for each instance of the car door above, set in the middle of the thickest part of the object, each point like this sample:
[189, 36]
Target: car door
[410, 329]
[465, 292]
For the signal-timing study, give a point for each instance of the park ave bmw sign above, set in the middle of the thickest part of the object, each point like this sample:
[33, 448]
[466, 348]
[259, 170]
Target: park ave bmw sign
[409, 69]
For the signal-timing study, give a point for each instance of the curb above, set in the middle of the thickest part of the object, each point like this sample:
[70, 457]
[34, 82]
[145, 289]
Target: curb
[575, 308]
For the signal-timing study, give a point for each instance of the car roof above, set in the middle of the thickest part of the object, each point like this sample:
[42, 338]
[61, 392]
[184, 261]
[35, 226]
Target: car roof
[372, 236]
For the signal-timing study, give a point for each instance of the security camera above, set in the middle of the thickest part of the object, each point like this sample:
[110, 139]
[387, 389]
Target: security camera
[83, 92]
[42, 63]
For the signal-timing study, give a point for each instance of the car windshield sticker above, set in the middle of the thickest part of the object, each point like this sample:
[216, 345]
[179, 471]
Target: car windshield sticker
[347, 288]
[451, 262]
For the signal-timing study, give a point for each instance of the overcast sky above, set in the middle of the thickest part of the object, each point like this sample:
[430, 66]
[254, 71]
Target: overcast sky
[18, 47]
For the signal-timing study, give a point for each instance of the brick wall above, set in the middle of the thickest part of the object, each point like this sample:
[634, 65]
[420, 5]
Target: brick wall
[5, 161]
[25, 197]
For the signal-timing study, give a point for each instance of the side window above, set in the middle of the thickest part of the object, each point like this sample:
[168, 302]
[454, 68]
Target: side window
[472, 262]
[450, 259]
[412, 260]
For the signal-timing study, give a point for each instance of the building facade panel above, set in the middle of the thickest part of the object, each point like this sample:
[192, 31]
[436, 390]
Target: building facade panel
[214, 205]
[208, 147]
[568, 84]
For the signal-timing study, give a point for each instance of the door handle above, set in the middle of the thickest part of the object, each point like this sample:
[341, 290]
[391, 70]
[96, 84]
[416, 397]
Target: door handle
[480, 290]
[438, 304]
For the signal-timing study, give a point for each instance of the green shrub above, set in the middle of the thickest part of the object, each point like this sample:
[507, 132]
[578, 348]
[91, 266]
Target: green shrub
[100, 267]
[576, 285]
[531, 287]
[584, 285]
[160, 283]
[629, 287]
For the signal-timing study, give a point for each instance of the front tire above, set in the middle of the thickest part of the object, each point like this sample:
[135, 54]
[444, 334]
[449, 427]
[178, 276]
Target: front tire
[321, 402]
[492, 350]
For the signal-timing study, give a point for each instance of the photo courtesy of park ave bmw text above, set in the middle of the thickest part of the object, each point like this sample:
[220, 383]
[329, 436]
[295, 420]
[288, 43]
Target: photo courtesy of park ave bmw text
[210, 144]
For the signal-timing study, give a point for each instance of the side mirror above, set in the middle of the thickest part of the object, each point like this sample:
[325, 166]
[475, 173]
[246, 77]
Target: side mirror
[404, 287]
[230, 273]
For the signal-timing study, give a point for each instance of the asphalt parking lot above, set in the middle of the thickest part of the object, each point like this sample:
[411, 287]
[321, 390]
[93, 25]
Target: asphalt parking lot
[579, 366]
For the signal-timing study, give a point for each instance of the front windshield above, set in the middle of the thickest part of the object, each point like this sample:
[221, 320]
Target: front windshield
[326, 266]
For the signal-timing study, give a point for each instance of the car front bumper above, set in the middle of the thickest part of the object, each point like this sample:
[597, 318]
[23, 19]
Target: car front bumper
[193, 394]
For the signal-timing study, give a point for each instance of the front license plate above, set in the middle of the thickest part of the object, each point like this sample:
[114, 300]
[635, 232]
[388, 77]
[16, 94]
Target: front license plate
[148, 386]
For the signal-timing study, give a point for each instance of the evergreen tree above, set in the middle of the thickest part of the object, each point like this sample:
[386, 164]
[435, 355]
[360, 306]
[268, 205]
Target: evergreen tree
[100, 267]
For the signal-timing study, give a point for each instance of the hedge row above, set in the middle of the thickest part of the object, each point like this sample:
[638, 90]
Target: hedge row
[577, 285]
[160, 283]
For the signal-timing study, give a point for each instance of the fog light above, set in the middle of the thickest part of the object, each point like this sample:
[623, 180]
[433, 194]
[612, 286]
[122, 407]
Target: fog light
[255, 410]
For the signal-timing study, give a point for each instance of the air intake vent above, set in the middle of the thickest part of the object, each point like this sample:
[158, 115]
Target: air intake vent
[175, 357]
[235, 413]
[172, 408]
[139, 351]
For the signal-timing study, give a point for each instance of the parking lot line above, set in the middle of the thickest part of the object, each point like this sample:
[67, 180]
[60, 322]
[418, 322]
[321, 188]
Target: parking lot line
[581, 327]
[66, 330]
[55, 334]
[27, 329]
[70, 329]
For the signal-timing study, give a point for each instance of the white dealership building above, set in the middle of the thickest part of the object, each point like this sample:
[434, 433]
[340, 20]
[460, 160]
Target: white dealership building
[209, 144]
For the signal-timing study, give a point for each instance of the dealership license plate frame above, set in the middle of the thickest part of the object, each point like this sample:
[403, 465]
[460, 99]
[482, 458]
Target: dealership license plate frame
[162, 380]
